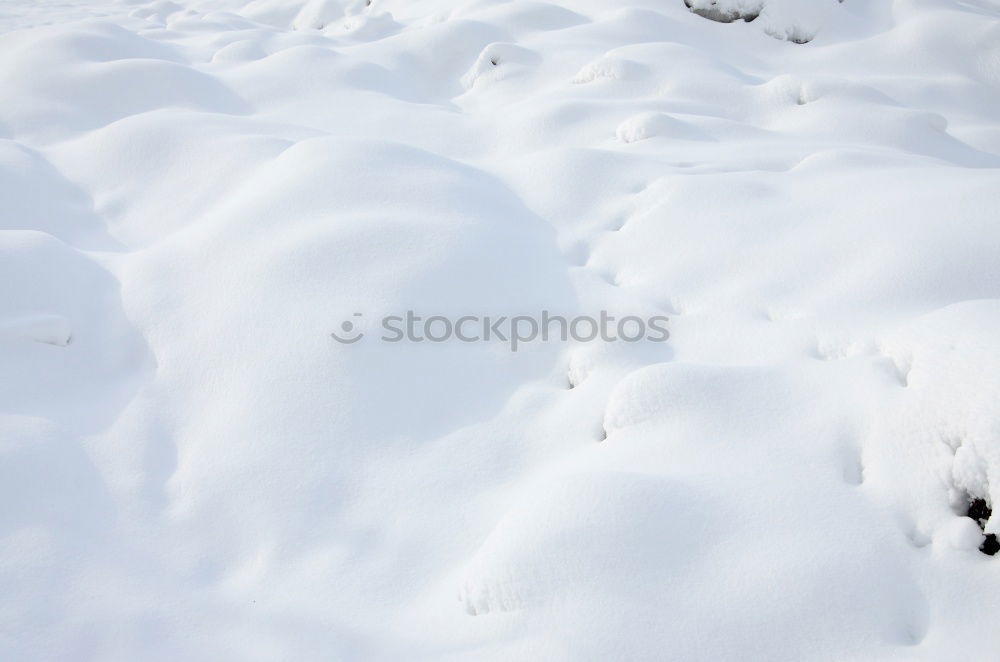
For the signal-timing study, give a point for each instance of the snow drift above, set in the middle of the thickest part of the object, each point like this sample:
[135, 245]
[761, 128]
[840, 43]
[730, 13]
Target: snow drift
[195, 193]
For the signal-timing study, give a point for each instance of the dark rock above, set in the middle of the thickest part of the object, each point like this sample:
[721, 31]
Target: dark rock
[990, 546]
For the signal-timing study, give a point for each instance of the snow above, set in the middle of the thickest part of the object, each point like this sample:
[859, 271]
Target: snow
[195, 193]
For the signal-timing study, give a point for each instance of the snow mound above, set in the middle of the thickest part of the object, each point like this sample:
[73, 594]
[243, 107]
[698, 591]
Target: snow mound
[609, 68]
[947, 366]
[652, 125]
[797, 21]
[498, 61]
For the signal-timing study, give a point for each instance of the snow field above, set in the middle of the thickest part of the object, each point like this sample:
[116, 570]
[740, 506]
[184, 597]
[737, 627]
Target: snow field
[196, 192]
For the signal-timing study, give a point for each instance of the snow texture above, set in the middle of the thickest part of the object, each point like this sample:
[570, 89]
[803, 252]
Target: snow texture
[194, 193]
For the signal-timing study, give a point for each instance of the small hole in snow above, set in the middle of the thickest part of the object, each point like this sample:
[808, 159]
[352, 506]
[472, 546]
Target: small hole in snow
[980, 511]
[493, 61]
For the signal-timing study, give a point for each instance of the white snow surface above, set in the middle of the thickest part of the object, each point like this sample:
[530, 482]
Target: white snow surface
[195, 193]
